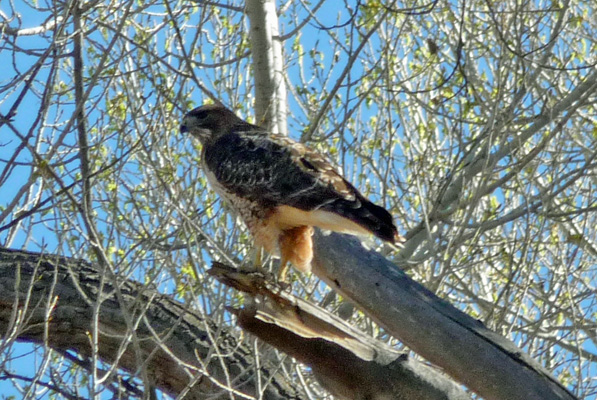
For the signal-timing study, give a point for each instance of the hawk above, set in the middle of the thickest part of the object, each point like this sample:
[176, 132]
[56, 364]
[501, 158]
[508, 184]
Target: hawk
[280, 188]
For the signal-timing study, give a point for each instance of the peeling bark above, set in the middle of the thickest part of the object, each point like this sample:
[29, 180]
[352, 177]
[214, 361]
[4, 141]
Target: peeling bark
[348, 363]
[50, 300]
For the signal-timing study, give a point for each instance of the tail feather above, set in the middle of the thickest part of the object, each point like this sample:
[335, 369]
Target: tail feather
[372, 217]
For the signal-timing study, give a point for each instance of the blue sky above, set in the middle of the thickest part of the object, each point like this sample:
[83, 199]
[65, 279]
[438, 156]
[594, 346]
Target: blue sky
[311, 34]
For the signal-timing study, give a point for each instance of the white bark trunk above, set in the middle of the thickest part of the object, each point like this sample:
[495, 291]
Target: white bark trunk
[268, 65]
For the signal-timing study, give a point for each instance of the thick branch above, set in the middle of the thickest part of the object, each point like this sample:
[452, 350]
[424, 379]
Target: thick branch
[484, 361]
[348, 363]
[39, 292]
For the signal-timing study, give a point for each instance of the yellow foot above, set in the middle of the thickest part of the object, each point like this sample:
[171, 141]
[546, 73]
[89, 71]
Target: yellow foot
[282, 278]
[258, 259]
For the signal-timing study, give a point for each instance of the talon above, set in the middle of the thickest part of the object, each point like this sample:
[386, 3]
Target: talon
[258, 259]
[283, 272]
[284, 285]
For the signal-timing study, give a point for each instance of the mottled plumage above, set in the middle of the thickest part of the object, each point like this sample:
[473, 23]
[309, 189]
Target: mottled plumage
[280, 187]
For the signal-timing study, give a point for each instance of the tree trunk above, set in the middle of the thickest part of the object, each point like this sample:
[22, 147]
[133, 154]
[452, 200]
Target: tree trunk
[268, 66]
[51, 300]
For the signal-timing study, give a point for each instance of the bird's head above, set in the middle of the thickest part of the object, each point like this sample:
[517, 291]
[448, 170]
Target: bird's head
[209, 122]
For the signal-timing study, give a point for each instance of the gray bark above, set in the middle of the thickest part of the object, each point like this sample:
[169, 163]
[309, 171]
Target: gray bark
[268, 66]
[484, 361]
[348, 363]
[50, 300]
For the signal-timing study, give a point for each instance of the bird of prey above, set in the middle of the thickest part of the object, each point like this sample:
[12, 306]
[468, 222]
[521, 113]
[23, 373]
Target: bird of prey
[280, 188]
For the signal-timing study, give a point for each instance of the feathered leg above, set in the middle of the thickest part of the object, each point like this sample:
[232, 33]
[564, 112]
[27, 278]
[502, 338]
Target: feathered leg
[296, 247]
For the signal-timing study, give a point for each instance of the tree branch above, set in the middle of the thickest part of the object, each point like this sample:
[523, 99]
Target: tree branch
[45, 293]
[268, 65]
[484, 361]
[348, 363]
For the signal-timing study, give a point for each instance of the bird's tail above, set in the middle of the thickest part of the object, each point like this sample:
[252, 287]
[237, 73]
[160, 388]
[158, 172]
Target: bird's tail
[373, 218]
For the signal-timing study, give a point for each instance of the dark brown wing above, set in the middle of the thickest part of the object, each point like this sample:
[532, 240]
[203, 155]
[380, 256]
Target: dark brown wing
[275, 170]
